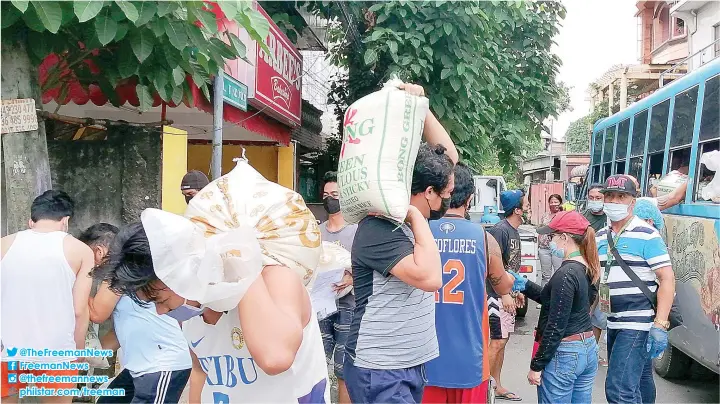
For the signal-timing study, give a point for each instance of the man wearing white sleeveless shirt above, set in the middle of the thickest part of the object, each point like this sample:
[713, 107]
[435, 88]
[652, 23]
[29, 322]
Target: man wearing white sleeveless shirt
[45, 274]
[267, 348]
[156, 357]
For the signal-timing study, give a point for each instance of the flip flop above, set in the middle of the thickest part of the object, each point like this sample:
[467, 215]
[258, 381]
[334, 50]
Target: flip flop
[507, 396]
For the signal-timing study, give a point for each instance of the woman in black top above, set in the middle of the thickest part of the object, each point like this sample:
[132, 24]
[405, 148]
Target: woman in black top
[566, 362]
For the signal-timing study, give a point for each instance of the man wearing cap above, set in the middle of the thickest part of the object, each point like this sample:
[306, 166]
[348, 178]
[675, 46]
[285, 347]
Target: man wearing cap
[501, 309]
[192, 183]
[637, 332]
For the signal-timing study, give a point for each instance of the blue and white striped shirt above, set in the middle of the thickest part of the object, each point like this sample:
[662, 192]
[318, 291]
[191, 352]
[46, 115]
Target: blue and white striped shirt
[644, 250]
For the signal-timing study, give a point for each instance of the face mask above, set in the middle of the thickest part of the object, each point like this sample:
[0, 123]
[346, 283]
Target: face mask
[438, 214]
[331, 205]
[615, 211]
[467, 215]
[595, 206]
[185, 312]
[554, 250]
[188, 198]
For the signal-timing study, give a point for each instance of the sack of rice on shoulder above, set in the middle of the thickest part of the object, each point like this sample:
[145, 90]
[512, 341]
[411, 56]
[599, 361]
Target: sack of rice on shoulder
[381, 136]
[232, 228]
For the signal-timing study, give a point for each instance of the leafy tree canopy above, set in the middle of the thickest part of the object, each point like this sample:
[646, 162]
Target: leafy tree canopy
[155, 44]
[486, 66]
[580, 131]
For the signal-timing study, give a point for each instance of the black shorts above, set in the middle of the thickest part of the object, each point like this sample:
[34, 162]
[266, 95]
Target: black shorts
[158, 387]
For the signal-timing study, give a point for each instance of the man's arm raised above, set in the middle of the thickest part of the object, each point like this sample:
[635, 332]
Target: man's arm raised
[420, 269]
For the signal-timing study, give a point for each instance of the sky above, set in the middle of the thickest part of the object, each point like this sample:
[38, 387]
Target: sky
[595, 35]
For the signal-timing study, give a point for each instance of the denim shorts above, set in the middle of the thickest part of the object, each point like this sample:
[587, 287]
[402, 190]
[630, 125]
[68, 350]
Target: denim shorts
[335, 329]
[598, 319]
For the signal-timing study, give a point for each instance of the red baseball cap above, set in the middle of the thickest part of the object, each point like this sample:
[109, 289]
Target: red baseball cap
[566, 222]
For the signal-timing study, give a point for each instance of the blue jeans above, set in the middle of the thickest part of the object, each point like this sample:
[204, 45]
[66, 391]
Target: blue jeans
[629, 377]
[570, 374]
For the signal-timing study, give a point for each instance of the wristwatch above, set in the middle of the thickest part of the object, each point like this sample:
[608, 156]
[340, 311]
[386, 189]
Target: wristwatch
[663, 324]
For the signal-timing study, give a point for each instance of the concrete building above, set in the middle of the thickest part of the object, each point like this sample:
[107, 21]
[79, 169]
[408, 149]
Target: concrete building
[703, 29]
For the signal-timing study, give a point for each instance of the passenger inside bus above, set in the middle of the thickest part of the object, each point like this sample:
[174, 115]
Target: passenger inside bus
[670, 189]
[706, 175]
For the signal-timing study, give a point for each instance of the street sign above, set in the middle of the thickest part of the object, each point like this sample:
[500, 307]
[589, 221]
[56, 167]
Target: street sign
[19, 115]
[235, 93]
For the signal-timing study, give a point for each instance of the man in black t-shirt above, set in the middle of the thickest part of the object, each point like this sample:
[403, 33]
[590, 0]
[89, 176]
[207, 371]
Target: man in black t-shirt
[501, 309]
[396, 270]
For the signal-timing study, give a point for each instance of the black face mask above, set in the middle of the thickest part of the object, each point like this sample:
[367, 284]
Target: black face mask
[188, 198]
[438, 214]
[331, 205]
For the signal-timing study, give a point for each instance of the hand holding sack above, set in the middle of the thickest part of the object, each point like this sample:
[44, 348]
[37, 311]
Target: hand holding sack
[381, 136]
[234, 227]
[334, 257]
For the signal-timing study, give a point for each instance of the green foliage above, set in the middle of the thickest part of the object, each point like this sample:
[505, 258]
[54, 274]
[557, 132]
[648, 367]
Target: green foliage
[485, 65]
[579, 132]
[154, 44]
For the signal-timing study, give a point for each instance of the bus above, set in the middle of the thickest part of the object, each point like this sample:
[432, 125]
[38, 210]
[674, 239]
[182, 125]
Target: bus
[669, 130]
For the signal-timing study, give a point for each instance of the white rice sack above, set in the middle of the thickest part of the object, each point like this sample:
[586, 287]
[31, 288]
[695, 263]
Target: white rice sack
[381, 136]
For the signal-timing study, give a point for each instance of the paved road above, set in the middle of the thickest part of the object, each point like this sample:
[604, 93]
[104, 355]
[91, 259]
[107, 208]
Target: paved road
[517, 361]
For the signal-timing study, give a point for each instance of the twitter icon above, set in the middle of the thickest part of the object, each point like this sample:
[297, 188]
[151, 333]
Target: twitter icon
[11, 351]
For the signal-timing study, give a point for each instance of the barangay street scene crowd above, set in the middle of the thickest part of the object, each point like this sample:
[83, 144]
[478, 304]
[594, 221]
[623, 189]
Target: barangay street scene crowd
[218, 300]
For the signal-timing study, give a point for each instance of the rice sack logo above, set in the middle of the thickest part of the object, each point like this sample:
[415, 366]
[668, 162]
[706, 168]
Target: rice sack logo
[354, 131]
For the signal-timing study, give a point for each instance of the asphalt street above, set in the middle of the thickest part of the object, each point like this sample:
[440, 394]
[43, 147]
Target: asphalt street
[517, 365]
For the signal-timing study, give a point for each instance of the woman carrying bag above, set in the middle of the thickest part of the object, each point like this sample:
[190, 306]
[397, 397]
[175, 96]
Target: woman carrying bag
[566, 361]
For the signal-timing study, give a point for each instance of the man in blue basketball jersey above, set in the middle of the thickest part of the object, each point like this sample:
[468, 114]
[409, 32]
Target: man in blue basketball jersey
[468, 255]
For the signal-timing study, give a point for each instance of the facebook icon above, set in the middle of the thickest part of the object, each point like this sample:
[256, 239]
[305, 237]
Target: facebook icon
[12, 365]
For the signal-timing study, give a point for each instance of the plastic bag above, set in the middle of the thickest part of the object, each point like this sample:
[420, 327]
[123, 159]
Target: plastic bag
[711, 191]
[92, 341]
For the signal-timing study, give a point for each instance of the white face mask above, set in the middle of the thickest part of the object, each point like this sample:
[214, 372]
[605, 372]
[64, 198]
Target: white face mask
[595, 206]
[185, 312]
[615, 211]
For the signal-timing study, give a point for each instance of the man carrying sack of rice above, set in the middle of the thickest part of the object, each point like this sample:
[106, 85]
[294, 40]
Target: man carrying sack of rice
[235, 270]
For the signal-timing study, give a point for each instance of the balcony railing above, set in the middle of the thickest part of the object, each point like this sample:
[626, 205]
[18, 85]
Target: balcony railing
[703, 59]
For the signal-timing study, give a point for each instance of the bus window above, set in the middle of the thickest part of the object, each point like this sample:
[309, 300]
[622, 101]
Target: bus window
[638, 135]
[622, 140]
[620, 166]
[684, 119]
[609, 144]
[654, 171]
[636, 166]
[596, 173]
[607, 167]
[597, 151]
[658, 127]
[705, 174]
[710, 121]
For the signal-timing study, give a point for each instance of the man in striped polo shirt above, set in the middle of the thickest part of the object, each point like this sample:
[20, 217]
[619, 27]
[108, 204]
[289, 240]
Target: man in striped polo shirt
[636, 331]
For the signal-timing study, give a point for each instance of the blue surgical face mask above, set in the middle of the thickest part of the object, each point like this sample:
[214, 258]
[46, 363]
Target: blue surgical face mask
[185, 312]
[595, 206]
[554, 250]
[615, 211]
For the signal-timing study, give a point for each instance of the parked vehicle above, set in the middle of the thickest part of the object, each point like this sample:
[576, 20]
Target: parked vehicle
[668, 130]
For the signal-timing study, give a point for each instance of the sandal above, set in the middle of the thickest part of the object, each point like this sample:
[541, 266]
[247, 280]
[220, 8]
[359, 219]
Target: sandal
[510, 396]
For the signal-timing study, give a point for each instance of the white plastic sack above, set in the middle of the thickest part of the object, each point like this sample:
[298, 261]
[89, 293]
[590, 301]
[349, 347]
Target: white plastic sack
[92, 341]
[333, 257]
[381, 136]
[711, 160]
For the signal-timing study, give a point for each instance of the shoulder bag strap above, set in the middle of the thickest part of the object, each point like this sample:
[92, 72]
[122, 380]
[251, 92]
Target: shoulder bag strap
[630, 273]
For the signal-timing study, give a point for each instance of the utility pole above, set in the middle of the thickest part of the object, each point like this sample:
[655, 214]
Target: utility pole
[217, 140]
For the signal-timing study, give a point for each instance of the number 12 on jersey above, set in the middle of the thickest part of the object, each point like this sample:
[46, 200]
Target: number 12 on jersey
[449, 294]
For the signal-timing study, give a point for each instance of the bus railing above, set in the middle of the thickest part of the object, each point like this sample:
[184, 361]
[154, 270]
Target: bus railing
[682, 62]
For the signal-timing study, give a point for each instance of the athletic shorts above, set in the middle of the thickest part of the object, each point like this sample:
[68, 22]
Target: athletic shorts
[9, 388]
[335, 329]
[157, 387]
[442, 395]
[501, 322]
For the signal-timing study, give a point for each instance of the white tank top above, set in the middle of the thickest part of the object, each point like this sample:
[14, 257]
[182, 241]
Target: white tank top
[36, 285]
[234, 377]
[151, 342]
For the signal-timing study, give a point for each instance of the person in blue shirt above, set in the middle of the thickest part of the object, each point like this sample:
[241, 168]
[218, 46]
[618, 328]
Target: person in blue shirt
[469, 256]
[156, 357]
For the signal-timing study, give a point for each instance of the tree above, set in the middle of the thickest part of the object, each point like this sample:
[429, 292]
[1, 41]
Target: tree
[580, 131]
[486, 66]
[153, 45]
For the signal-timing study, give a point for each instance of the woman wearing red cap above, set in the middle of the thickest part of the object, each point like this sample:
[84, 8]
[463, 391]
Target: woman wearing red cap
[566, 360]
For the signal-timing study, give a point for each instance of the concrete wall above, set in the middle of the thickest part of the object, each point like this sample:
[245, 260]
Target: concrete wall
[111, 180]
[707, 17]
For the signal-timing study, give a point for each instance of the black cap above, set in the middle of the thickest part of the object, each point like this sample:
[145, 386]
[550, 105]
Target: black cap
[620, 183]
[194, 180]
